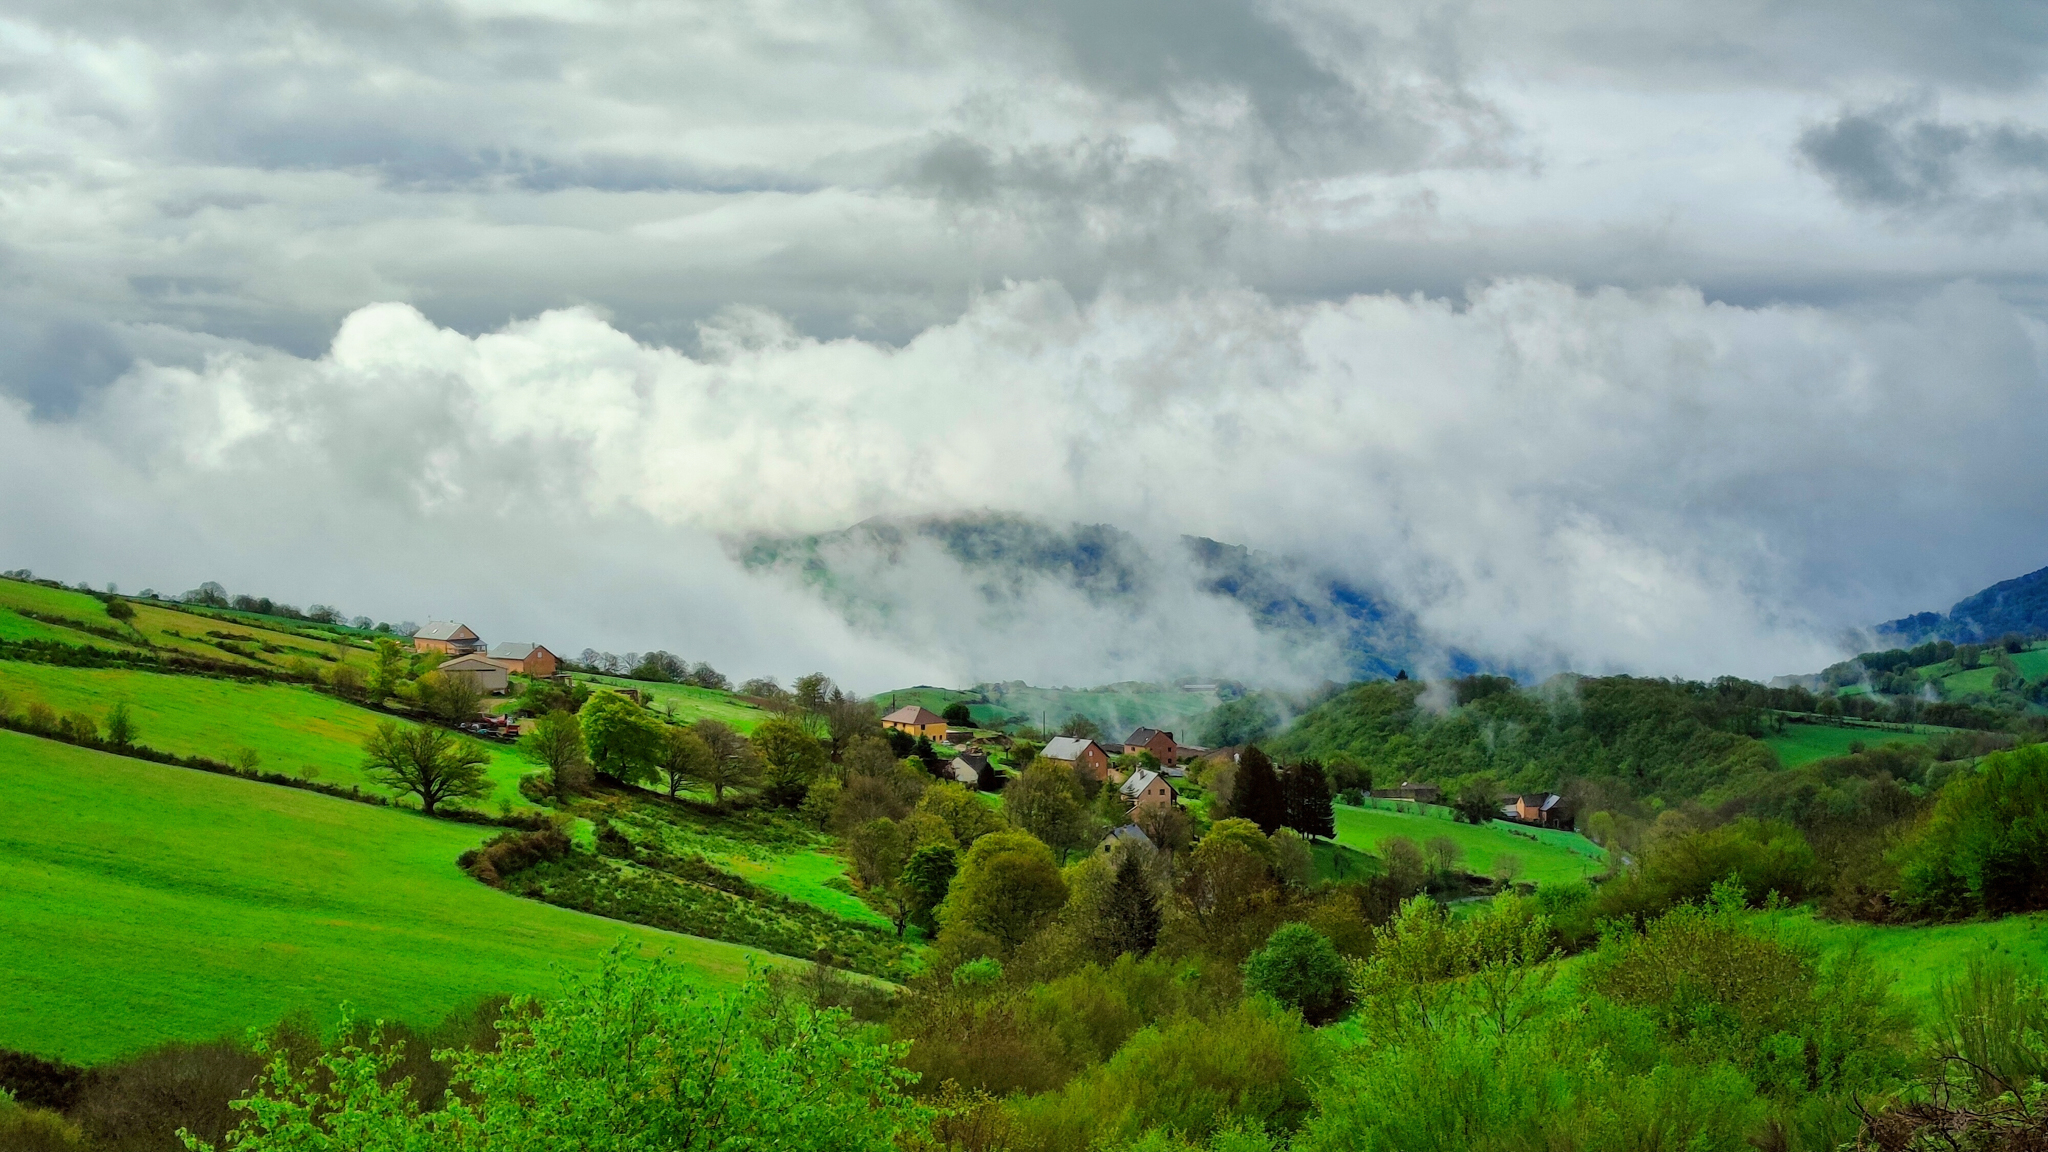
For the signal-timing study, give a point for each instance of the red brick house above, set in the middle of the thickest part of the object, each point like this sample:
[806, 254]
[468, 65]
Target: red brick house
[1161, 745]
[1543, 809]
[526, 659]
[448, 637]
[1086, 755]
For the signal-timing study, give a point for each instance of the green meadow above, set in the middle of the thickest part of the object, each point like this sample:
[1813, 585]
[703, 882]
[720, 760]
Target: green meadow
[1545, 857]
[690, 702]
[1918, 956]
[257, 645]
[147, 903]
[290, 726]
[1804, 743]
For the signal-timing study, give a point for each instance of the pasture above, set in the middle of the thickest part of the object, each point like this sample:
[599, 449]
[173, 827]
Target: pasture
[1918, 956]
[147, 903]
[1804, 743]
[1546, 857]
[290, 726]
[690, 703]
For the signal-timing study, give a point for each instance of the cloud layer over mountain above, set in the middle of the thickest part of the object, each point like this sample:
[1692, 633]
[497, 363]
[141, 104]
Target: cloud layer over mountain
[1673, 338]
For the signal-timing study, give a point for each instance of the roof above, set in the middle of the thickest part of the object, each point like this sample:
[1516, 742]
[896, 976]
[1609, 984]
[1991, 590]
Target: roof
[1066, 748]
[964, 771]
[473, 662]
[975, 760]
[444, 630]
[916, 714]
[1128, 833]
[1141, 780]
[515, 650]
[1145, 735]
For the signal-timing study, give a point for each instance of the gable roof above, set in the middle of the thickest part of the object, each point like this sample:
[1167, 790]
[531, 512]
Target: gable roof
[916, 714]
[965, 771]
[1141, 780]
[1144, 736]
[515, 650]
[976, 760]
[1066, 748]
[444, 630]
[473, 662]
[1130, 832]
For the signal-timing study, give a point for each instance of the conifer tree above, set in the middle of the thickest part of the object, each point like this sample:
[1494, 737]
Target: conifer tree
[1129, 913]
[1309, 811]
[1259, 798]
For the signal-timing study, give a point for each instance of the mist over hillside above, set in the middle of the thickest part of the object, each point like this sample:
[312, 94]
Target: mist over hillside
[1017, 598]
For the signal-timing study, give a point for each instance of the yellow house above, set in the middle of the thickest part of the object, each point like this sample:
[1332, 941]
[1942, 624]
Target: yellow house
[916, 720]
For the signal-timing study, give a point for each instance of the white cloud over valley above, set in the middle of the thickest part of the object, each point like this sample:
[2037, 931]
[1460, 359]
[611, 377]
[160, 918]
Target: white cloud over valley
[1678, 345]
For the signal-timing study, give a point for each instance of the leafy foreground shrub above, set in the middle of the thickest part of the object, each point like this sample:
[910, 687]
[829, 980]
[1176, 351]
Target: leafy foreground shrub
[1985, 847]
[632, 1058]
[509, 853]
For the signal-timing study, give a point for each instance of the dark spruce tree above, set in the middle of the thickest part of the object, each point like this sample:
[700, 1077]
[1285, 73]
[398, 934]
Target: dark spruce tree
[1130, 913]
[1309, 810]
[1258, 797]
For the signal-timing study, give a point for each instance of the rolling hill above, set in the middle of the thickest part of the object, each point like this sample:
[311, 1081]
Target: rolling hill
[148, 903]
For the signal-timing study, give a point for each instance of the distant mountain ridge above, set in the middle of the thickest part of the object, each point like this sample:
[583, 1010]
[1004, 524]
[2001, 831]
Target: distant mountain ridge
[2016, 605]
[994, 564]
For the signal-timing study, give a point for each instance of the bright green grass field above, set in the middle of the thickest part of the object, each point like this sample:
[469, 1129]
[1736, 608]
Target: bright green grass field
[1920, 956]
[1544, 859]
[289, 726]
[165, 628]
[144, 903]
[691, 703]
[1805, 743]
[803, 876]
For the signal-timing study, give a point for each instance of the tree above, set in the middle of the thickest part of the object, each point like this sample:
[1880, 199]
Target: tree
[1007, 887]
[121, 730]
[1476, 803]
[966, 818]
[1043, 802]
[1307, 794]
[1128, 916]
[957, 713]
[556, 743]
[924, 751]
[120, 610]
[347, 681]
[793, 759]
[848, 719]
[926, 878]
[450, 696]
[1258, 796]
[682, 758]
[660, 667]
[733, 762]
[1169, 828]
[1506, 867]
[1444, 856]
[1300, 969]
[1081, 726]
[880, 849]
[621, 740]
[431, 763]
[390, 659]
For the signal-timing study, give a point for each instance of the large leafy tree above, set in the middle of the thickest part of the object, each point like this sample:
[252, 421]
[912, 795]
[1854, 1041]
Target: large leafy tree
[684, 758]
[792, 758]
[1006, 888]
[556, 743]
[636, 1058]
[1301, 969]
[926, 878]
[622, 740]
[734, 763]
[431, 763]
[1046, 802]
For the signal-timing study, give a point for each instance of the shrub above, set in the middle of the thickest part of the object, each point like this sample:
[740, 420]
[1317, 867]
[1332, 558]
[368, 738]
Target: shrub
[1300, 969]
[80, 727]
[1985, 846]
[509, 853]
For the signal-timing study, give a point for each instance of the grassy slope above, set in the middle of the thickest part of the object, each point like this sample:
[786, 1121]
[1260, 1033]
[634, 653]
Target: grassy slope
[692, 703]
[1805, 743]
[1542, 860]
[1918, 956]
[171, 630]
[288, 725]
[147, 903]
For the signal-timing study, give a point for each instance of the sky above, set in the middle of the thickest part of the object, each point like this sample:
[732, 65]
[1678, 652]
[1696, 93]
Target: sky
[1669, 338]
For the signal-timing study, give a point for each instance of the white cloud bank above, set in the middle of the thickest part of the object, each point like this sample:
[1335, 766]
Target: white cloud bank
[1606, 479]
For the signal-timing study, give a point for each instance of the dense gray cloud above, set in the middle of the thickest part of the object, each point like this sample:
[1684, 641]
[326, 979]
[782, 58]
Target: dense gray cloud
[1666, 336]
[1983, 174]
